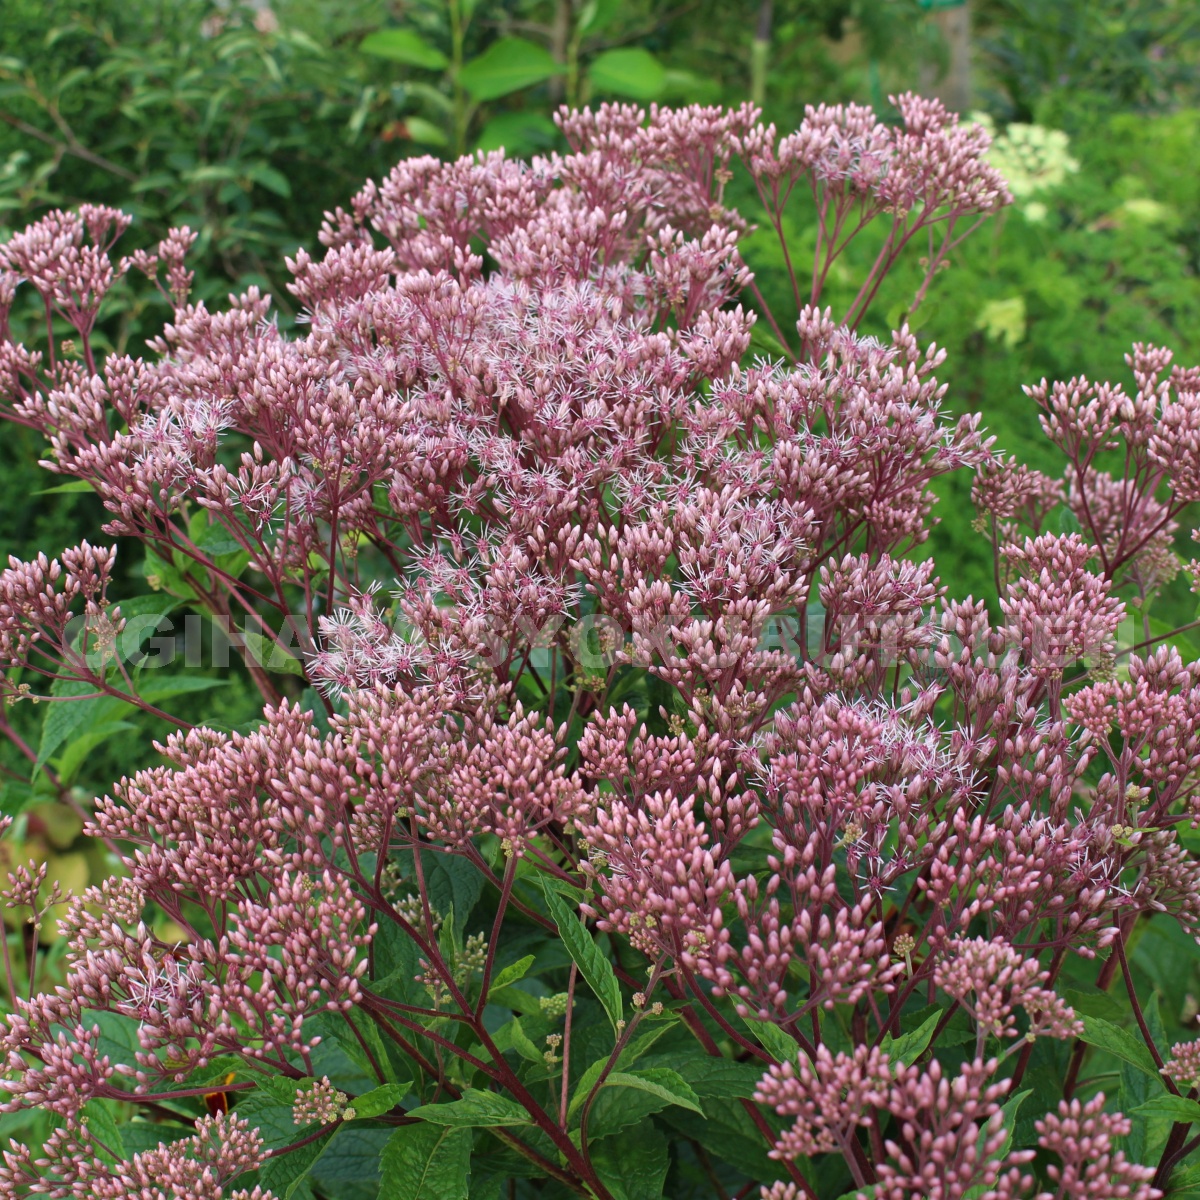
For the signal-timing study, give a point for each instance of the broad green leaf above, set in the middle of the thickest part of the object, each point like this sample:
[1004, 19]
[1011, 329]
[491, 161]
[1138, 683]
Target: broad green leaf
[655, 1088]
[1009, 1112]
[522, 1044]
[636, 1048]
[68, 763]
[908, 1047]
[1118, 1042]
[66, 717]
[593, 966]
[379, 1100]
[631, 71]
[423, 132]
[518, 133]
[721, 1078]
[1178, 1108]
[404, 46]
[633, 1164]
[506, 66]
[512, 972]
[426, 1162]
[103, 1127]
[668, 1085]
[773, 1039]
[273, 180]
[285, 1174]
[475, 1110]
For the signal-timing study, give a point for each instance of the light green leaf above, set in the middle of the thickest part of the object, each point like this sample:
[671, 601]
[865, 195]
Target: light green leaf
[103, 1127]
[518, 133]
[513, 972]
[662, 1082]
[476, 1110]
[1118, 1042]
[631, 71]
[379, 1100]
[66, 717]
[908, 1047]
[426, 1162]
[271, 655]
[597, 14]
[1178, 1108]
[404, 46]
[76, 485]
[507, 66]
[593, 966]
[773, 1039]
[424, 133]
[522, 1043]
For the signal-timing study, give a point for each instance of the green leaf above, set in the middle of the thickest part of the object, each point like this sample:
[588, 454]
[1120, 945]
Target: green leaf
[597, 14]
[773, 1039]
[512, 972]
[379, 1100]
[1009, 1113]
[68, 763]
[66, 717]
[520, 1041]
[426, 1162]
[424, 133]
[76, 485]
[632, 1165]
[658, 1087]
[662, 1082]
[404, 46]
[1118, 1042]
[273, 180]
[593, 966]
[103, 1127]
[156, 690]
[518, 133]
[631, 71]
[721, 1078]
[908, 1047]
[507, 66]
[476, 1110]
[271, 655]
[286, 1173]
[1178, 1108]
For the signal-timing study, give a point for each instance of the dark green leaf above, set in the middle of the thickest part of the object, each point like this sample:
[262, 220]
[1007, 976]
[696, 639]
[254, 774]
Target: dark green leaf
[593, 966]
[426, 1162]
[1178, 1108]
[286, 1173]
[632, 1165]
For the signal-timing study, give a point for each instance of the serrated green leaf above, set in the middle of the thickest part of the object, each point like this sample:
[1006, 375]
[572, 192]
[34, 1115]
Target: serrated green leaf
[285, 1173]
[669, 1086]
[908, 1047]
[404, 46]
[426, 1162]
[507, 66]
[1178, 1108]
[630, 71]
[593, 966]
[103, 1127]
[475, 1110]
[1118, 1042]
[633, 1164]
[379, 1100]
[773, 1039]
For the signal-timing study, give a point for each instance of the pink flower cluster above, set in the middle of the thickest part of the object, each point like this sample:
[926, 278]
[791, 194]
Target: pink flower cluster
[590, 596]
